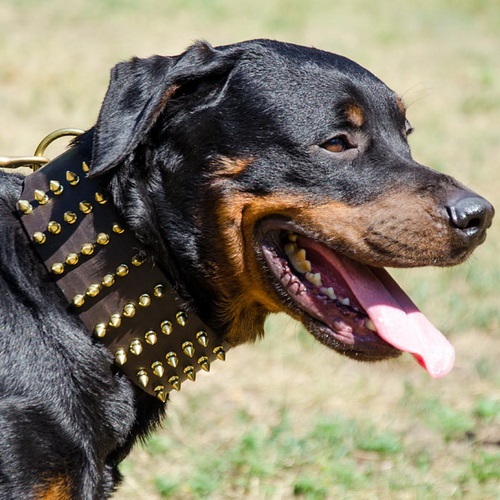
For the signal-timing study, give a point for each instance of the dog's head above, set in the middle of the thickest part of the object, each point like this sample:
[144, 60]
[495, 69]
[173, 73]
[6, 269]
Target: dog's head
[270, 177]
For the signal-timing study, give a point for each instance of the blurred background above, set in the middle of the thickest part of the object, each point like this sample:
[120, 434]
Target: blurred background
[286, 418]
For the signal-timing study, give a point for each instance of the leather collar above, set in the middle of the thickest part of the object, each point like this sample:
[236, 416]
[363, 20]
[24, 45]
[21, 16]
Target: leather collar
[110, 280]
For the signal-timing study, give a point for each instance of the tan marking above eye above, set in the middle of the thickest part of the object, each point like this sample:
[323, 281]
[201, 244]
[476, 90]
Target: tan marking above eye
[354, 113]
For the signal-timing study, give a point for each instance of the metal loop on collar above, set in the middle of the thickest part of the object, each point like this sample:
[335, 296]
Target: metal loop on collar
[38, 160]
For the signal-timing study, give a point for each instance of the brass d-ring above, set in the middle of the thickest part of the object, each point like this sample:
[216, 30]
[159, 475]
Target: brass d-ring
[38, 160]
[50, 138]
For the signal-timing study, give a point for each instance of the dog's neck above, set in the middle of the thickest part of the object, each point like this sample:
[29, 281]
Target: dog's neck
[110, 280]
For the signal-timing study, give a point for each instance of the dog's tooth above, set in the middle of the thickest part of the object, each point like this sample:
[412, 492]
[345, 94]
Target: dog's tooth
[328, 292]
[290, 249]
[299, 261]
[345, 301]
[370, 325]
[292, 237]
[314, 278]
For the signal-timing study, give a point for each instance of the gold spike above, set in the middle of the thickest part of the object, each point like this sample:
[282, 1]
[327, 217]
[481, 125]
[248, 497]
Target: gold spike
[115, 320]
[87, 248]
[39, 238]
[136, 347]
[56, 187]
[72, 178]
[70, 217]
[158, 368]
[151, 337]
[202, 338]
[93, 290]
[57, 268]
[72, 259]
[144, 300]
[204, 363]
[137, 260]
[79, 300]
[120, 357]
[160, 393]
[129, 310]
[85, 167]
[159, 291]
[103, 239]
[181, 318]
[117, 228]
[108, 280]
[175, 382]
[142, 377]
[172, 359]
[100, 198]
[190, 373]
[122, 270]
[220, 353]
[54, 227]
[24, 206]
[85, 207]
[188, 349]
[41, 196]
[166, 327]
[100, 330]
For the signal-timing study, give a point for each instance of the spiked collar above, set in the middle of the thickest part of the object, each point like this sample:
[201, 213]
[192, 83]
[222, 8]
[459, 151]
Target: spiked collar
[110, 280]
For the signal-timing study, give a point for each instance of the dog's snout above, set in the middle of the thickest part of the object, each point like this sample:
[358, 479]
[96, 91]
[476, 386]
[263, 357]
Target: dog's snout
[470, 214]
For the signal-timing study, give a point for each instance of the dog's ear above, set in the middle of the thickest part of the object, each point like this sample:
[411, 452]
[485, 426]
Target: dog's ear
[138, 92]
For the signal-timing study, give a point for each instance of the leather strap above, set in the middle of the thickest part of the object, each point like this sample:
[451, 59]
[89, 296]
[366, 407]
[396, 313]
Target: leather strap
[110, 280]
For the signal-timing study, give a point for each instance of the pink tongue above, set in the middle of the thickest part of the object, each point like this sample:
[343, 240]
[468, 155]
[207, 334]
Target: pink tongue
[396, 317]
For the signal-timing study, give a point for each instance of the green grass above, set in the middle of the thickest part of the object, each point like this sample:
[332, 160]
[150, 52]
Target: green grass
[285, 418]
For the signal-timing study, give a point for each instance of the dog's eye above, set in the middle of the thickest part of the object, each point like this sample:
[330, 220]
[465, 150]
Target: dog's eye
[336, 144]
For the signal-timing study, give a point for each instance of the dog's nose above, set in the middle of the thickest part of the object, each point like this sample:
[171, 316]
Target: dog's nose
[471, 214]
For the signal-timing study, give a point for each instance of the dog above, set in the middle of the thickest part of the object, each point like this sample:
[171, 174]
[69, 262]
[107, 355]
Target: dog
[249, 179]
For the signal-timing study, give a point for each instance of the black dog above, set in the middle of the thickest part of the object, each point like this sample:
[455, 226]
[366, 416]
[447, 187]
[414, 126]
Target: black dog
[254, 178]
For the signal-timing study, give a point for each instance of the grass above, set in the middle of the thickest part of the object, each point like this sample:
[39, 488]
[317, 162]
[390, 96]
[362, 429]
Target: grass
[285, 418]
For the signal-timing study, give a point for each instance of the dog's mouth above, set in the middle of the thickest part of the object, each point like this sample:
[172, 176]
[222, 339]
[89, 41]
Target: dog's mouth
[354, 308]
